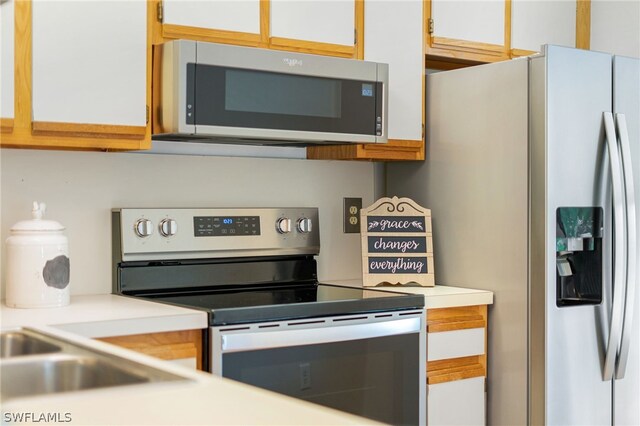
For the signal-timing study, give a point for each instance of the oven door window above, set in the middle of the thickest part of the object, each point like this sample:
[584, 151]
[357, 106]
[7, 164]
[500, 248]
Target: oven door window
[375, 378]
[234, 97]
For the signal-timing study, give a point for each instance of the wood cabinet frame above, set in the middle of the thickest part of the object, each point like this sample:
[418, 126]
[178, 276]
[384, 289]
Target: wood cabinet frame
[23, 132]
[394, 149]
[452, 319]
[162, 32]
[170, 345]
[481, 52]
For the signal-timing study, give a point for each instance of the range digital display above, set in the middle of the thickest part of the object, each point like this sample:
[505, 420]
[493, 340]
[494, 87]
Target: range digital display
[226, 226]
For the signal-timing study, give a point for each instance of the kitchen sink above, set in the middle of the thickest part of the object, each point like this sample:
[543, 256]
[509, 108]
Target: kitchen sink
[35, 363]
[14, 344]
[61, 373]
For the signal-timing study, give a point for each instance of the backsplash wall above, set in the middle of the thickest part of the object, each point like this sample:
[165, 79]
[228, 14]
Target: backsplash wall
[81, 188]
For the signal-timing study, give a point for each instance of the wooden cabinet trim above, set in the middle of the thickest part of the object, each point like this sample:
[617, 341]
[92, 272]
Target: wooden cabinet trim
[517, 53]
[172, 32]
[6, 125]
[313, 47]
[393, 150]
[583, 24]
[23, 65]
[166, 345]
[448, 370]
[469, 46]
[457, 323]
[456, 314]
[457, 318]
[265, 21]
[45, 128]
[359, 28]
[24, 140]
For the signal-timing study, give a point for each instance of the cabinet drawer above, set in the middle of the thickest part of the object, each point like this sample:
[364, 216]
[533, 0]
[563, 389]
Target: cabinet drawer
[455, 344]
[461, 402]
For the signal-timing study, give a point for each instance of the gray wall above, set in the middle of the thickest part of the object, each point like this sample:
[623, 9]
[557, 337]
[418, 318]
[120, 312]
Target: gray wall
[80, 188]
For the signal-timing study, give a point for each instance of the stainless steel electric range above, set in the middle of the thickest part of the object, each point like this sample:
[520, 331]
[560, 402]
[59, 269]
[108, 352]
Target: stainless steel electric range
[272, 324]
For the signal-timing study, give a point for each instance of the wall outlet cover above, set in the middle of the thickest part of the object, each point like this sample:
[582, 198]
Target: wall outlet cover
[351, 214]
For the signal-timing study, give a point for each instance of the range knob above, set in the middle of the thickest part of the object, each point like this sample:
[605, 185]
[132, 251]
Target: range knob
[168, 227]
[143, 228]
[304, 225]
[283, 225]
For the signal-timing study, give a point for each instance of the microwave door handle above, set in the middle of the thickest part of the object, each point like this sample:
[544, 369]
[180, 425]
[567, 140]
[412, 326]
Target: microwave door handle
[632, 248]
[615, 326]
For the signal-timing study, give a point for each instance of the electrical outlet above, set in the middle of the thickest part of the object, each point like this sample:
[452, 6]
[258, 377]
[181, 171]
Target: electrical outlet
[351, 215]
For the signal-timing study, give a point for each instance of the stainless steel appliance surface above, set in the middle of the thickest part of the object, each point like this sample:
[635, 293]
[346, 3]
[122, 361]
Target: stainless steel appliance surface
[272, 324]
[245, 95]
[532, 175]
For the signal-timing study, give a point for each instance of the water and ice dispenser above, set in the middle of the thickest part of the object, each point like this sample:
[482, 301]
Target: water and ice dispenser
[578, 256]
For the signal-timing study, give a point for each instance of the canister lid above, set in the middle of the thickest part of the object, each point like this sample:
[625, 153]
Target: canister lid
[37, 223]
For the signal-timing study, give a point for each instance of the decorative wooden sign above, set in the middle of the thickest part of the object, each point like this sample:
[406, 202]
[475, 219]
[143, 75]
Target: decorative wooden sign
[397, 247]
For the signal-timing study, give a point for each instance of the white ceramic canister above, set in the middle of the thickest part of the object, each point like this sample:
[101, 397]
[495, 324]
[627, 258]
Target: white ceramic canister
[37, 263]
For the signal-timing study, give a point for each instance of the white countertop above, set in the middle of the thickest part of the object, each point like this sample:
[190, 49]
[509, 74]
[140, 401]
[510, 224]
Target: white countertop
[203, 399]
[439, 296]
[107, 315]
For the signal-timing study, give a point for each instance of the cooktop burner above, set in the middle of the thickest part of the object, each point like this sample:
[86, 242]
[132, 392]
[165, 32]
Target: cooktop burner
[291, 302]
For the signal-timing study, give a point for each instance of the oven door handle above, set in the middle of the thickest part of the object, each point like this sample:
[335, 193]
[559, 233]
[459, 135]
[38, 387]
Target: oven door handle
[269, 339]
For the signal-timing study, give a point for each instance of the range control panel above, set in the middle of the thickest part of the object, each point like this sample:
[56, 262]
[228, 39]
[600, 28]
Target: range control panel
[149, 233]
[225, 226]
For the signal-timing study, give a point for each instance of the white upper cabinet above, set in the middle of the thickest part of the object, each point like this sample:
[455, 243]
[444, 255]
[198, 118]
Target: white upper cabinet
[480, 21]
[6, 59]
[89, 62]
[393, 34]
[534, 23]
[228, 15]
[615, 27]
[314, 20]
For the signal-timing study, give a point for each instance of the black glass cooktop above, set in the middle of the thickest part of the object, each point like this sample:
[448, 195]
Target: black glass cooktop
[290, 302]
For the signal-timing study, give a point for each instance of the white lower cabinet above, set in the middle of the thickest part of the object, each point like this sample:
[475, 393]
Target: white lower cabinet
[456, 365]
[460, 402]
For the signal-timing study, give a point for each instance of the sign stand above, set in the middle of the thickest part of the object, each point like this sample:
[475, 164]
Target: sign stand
[397, 246]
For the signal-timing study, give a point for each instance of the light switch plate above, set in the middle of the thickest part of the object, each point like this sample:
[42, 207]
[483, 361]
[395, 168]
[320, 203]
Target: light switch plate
[351, 215]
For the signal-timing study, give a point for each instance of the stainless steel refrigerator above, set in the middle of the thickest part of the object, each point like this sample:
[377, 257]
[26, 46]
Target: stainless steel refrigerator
[532, 177]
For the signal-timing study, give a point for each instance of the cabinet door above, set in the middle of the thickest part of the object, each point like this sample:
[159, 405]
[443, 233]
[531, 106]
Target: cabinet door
[480, 21]
[228, 15]
[470, 29]
[89, 62]
[6, 62]
[393, 35]
[314, 20]
[460, 402]
[534, 23]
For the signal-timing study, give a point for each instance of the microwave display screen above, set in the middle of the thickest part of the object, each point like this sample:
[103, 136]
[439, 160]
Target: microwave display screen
[247, 98]
[266, 92]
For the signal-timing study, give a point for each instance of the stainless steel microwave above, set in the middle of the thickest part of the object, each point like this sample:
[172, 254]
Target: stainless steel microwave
[222, 93]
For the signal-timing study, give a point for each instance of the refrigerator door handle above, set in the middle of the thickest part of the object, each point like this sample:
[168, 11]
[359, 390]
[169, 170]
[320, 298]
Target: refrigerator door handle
[615, 327]
[632, 247]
